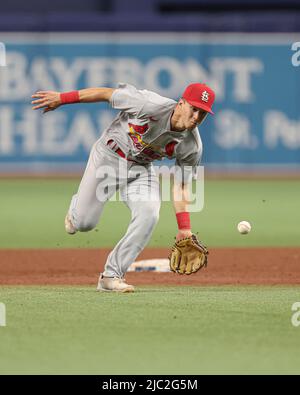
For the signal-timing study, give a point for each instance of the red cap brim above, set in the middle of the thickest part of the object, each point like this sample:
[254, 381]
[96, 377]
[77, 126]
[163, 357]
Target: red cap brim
[200, 105]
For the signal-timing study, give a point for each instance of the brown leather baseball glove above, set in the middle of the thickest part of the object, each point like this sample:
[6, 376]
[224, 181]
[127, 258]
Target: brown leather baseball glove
[188, 256]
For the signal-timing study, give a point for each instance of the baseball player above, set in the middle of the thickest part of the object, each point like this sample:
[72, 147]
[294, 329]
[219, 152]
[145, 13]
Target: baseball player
[148, 127]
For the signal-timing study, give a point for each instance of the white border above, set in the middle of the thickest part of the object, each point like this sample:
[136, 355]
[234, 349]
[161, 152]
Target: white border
[74, 38]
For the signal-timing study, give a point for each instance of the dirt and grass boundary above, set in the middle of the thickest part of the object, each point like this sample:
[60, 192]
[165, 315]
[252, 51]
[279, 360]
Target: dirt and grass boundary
[234, 266]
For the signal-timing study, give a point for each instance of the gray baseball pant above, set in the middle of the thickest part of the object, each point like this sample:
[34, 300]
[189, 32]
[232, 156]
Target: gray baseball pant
[105, 173]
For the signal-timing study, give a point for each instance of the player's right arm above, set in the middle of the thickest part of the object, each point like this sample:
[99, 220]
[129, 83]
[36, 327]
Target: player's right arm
[50, 100]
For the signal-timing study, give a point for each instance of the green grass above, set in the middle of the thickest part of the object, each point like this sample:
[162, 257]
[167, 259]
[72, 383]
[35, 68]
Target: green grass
[32, 214]
[182, 330]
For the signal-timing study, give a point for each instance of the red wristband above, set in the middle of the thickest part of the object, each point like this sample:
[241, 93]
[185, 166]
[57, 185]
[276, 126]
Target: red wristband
[69, 97]
[183, 220]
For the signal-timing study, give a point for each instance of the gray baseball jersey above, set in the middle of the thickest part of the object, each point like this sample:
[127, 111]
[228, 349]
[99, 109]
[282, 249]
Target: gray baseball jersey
[142, 128]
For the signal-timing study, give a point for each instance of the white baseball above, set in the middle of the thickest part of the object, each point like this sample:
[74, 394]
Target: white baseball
[244, 227]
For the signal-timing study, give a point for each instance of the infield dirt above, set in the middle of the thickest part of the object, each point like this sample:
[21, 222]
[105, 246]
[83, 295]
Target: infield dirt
[267, 266]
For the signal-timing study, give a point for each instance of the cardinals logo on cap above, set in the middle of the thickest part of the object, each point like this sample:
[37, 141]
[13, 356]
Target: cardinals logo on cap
[205, 96]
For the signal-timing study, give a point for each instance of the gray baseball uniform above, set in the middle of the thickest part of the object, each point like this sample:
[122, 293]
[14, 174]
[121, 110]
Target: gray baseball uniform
[122, 160]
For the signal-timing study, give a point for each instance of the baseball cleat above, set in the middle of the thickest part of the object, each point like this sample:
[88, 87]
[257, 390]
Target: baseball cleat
[113, 284]
[69, 227]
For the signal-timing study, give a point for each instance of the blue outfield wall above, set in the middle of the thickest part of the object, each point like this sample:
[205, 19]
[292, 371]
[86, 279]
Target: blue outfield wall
[256, 79]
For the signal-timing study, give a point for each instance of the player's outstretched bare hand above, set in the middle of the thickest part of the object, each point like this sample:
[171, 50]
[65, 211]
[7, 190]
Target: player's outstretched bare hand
[48, 100]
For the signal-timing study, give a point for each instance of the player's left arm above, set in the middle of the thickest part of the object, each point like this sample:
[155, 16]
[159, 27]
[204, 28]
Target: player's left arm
[181, 200]
[186, 166]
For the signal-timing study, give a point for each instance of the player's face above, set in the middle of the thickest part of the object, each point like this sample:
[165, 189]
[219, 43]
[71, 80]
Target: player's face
[192, 116]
